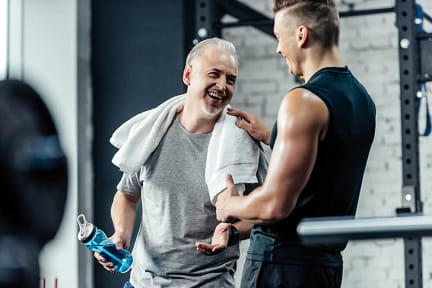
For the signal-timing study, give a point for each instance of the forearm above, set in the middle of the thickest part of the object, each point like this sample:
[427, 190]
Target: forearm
[266, 135]
[259, 207]
[123, 213]
[244, 229]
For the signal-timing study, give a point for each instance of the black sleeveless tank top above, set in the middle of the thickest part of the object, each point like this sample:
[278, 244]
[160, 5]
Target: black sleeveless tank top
[334, 185]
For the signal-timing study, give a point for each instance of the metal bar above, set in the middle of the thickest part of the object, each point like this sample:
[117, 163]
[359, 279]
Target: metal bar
[424, 79]
[259, 22]
[85, 169]
[188, 26]
[425, 47]
[422, 36]
[245, 13]
[250, 17]
[366, 12]
[409, 70]
[206, 16]
[413, 262]
[335, 229]
[427, 17]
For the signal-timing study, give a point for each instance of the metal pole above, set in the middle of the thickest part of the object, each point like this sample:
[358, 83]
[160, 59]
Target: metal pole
[206, 16]
[336, 229]
[409, 69]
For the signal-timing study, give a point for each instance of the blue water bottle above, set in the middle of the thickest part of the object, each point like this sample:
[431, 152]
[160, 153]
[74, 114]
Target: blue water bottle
[96, 240]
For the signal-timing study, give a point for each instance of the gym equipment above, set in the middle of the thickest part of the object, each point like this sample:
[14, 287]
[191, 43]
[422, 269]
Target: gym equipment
[33, 177]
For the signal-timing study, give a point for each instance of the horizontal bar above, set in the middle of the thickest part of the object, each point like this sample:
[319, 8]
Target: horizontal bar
[245, 14]
[366, 12]
[336, 229]
[427, 17]
[424, 79]
[422, 36]
[260, 22]
[269, 22]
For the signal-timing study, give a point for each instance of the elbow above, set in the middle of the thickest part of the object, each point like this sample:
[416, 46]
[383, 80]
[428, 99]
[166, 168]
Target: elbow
[276, 216]
[271, 207]
[276, 213]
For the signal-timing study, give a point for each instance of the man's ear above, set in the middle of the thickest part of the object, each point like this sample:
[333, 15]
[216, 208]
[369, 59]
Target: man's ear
[302, 35]
[187, 74]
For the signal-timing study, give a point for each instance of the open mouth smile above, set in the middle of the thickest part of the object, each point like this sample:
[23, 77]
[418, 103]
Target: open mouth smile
[215, 96]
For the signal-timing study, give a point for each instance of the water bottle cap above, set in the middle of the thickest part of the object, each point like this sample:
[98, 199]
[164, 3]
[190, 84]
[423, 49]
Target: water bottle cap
[86, 229]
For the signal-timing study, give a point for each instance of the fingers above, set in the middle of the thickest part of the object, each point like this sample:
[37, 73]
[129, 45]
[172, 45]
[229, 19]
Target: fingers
[229, 181]
[237, 113]
[221, 217]
[204, 248]
[241, 123]
[98, 257]
[119, 241]
[208, 249]
[106, 265]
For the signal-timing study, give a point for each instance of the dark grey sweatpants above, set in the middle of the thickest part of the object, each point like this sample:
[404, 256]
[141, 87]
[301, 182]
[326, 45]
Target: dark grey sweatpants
[258, 274]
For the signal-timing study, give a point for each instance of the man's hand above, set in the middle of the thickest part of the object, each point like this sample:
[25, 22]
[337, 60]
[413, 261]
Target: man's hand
[219, 241]
[120, 244]
[223, 198]
[252, 124]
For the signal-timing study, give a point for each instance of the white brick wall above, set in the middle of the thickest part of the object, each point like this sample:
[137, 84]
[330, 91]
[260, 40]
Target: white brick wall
[369, 47]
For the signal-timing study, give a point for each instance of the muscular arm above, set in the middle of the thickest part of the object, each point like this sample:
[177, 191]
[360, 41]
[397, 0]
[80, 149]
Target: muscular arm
[123, 215]
[302, 123]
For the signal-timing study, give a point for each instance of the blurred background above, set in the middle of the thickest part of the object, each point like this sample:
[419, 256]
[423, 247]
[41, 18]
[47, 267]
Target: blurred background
[97, 63]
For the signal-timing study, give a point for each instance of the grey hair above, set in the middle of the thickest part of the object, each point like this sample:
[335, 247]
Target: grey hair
[211, 42]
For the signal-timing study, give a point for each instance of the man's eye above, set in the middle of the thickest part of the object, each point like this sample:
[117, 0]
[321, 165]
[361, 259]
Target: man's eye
[231, 81]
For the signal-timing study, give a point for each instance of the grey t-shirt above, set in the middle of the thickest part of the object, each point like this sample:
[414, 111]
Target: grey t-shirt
[177, 213]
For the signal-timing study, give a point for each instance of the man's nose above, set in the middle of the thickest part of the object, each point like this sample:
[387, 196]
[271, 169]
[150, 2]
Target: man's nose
[221, 83]
[278, 50]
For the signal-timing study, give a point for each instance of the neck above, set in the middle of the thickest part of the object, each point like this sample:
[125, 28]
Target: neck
[194, 121]
[320, 58]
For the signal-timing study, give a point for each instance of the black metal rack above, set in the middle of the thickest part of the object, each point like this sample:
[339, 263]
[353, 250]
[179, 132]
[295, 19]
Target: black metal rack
[415, 65]
[411, 74]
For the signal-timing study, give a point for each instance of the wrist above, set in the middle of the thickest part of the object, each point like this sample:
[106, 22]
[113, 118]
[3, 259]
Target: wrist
[234, 237]
[267, 136]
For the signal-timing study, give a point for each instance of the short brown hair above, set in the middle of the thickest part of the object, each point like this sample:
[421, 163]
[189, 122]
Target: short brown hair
[320, 16]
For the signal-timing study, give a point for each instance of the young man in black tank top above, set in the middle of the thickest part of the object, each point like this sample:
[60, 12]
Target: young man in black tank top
[320, 144]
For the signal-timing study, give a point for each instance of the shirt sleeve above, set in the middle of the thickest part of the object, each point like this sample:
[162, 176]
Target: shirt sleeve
[129, 184]
[261, 174]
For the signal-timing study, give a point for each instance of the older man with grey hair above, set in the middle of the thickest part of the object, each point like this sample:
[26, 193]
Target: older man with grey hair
[174, 159]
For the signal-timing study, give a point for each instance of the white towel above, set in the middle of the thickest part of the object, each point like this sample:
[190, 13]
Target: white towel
[138, 137]
[231, 149]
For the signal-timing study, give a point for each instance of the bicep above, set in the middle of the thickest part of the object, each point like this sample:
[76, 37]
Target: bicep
[134, 198]
[126, 198]
[301, 122]
[290, 166]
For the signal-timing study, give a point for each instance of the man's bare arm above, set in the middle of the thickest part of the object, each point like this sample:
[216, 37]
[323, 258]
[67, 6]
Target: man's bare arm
[123, 215]
[302, 123]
